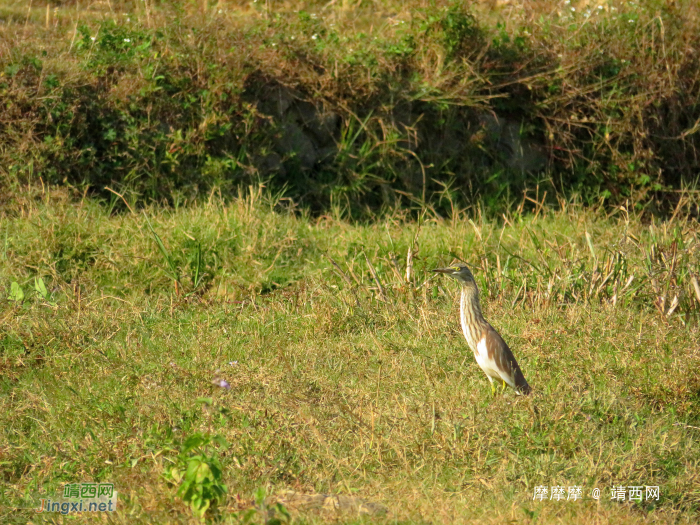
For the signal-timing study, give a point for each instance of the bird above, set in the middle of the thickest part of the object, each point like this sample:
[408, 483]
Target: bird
[490, 350]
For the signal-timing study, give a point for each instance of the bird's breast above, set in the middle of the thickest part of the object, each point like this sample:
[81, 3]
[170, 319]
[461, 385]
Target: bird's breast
[487, 362]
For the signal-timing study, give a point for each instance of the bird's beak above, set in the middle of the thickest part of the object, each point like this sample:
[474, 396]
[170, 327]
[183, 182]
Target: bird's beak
[444, 270]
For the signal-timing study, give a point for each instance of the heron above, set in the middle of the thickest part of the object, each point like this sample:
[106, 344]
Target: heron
[490, 350]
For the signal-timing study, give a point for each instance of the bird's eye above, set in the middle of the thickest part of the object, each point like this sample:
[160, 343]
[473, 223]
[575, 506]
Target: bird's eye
[455, 268]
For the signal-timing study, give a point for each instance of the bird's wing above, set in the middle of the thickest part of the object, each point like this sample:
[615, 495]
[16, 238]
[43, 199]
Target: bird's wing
[500, 353]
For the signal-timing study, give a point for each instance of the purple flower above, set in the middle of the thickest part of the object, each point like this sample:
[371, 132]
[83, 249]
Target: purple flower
[224, 384]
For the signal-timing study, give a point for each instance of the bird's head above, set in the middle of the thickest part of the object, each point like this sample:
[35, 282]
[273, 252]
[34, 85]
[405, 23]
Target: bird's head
[458, 271]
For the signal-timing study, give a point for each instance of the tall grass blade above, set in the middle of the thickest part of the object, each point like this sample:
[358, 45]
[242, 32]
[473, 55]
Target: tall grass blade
[168, 259]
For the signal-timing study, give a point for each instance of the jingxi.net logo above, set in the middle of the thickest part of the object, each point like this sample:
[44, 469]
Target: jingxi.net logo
[82, 497]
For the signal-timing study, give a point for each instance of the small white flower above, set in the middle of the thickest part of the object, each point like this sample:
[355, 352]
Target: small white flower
[573, 9]
[92, 38]
[600, 7]
[127, 40]
[314, 37]
[631, 21]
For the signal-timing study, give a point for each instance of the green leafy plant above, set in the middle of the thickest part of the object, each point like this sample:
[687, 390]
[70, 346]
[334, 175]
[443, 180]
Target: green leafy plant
[460, 30]
[16, 293]
[199, 473]
[41, 290]
[113, 44]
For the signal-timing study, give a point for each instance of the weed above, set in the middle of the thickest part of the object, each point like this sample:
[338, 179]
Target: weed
[198, 473]
[173, 271]
[41, 291]
[16, 293]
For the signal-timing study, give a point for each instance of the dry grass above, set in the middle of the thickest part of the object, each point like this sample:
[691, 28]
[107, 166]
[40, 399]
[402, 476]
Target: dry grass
[337, 387]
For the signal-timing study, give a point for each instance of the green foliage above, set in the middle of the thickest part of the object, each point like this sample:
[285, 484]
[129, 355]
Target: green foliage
[198, 472]
[113, 45]
[41, 291]
[16, 293]
[461, 32]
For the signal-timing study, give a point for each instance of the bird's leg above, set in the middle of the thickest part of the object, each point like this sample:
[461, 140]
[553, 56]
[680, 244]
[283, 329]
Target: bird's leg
[503, 387]
[493, 388]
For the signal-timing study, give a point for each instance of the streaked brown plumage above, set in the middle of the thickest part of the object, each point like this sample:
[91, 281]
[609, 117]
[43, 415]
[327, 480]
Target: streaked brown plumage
[490, 350]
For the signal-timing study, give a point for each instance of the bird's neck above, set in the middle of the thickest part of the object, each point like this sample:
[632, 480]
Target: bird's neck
[470, 315]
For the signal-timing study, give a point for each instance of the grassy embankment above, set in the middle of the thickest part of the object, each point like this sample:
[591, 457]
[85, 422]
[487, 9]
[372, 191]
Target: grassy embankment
[358, 105]
[338, 386]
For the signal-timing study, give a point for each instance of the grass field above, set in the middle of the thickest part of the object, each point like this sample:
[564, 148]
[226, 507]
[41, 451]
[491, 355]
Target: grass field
[343, 374]
[231, 351]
